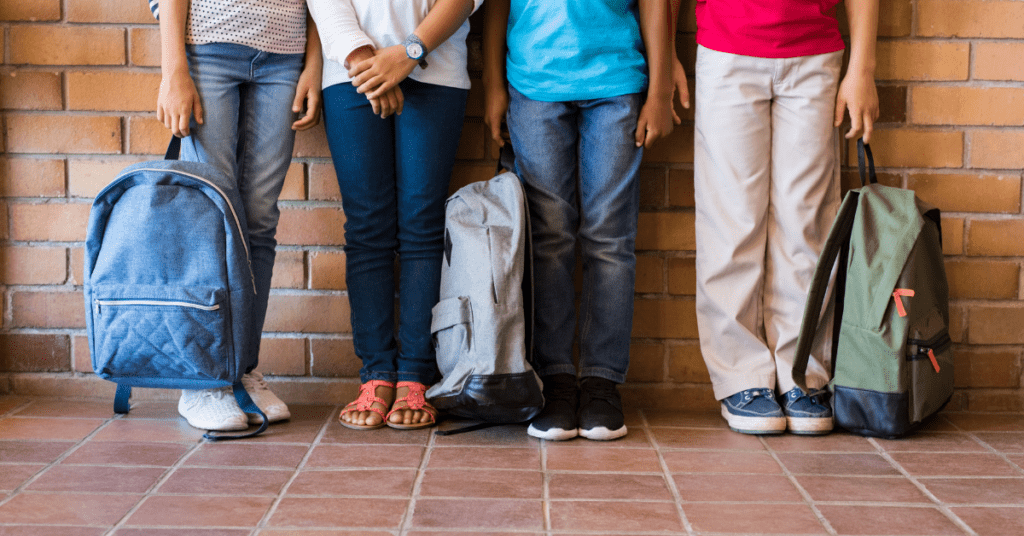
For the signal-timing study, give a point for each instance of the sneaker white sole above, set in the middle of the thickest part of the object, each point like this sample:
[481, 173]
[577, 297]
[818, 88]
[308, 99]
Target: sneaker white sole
[754, 425]
[809, 426]
[603, 434]
[273, 415]
[554, 434]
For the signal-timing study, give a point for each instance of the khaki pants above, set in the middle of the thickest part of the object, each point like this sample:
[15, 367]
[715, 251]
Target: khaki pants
[766, 172]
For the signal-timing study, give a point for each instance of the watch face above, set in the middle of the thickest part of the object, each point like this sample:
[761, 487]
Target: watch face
[414, 50]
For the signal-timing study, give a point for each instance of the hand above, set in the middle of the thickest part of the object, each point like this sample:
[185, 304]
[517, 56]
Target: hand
[307, 92]
[857, 93]
[655, 121]
[391, 102]
[679, 87]
[495, 107]
[177, 101]
[377, 75]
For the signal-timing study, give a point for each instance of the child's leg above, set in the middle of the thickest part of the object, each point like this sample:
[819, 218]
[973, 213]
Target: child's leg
[732, 180]
[362, 148]
[804, 201]
[544, 136]
[609, 208]
[426, 139]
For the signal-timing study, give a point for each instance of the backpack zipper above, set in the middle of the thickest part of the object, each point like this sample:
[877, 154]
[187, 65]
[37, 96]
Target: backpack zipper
[925, 349]
[158, 303]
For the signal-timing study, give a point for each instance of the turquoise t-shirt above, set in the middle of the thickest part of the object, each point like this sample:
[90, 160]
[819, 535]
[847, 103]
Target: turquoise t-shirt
[564, 50]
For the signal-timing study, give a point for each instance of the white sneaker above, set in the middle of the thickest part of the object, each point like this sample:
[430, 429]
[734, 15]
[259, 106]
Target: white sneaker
[266, 400]
[212, 409]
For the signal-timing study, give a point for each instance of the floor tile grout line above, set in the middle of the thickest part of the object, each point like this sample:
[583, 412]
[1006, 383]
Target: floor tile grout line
[155, 486]
[272, 509]
[992, 450]
[808, 500]
[405, 524]
[545, 490]
[941, 506]
[667, 475]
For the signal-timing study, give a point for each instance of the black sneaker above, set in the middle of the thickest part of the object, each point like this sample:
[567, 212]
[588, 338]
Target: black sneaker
[557, 421]
[600, 409]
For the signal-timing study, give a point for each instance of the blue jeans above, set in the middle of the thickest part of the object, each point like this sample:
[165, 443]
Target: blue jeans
[393, 174]
[247, 96]
[580, 165]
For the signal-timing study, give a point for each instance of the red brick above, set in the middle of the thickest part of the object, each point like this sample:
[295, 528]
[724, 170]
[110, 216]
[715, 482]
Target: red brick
[81, 360]
[650, 274]
[646, 362]
[294, 183]
[652, 187]
[922, 60]
[30, 10]
[307, 313]
[58, 222]
[680, 188]
[959, 18]
[48, 309]
[323, 182]
[315, 226]
[472, 141]
[996, 238]
[464, 174]
[957, 324]
[994, 324]
[311, 143]
[665, 231]
[328, 270]
[147, 136]
[892, 103]
[971, 279]
[981, 367]
[63, 134]
[36, 265]
[145, 46]
[475, 99]
[66, 45]
[31, 90]
[968, 193]
[952, 236]
[31, 177]
[997, 149]
[686, 364]
[4, 229]
[86, 177]
[136, 92]
[34, 353]
[1006, 401]
[931, 105]
[76, 274]
[676, 147]
[894, 18]
[110, 11]
[289, 270]
[914, 148]
[664, 319]
[682, 276]
[334, 358]
[998, 60]
[283, 356]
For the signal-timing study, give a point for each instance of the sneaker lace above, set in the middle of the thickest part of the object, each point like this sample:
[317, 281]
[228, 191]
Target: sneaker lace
[752, 394]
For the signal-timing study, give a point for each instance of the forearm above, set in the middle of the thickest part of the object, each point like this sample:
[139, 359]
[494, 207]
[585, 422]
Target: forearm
[495, 42]
[673, 18]
[442, 21]
[173, 14]
[314, 50]
[338, 29]
[863, 17]
[655, 33]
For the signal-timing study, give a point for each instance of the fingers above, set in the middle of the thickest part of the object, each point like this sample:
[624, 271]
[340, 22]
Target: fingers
[641, 132]
[375, 106]
[869, 125]
[197, 109]
[856, 123]
[401, 100]
[840, 110]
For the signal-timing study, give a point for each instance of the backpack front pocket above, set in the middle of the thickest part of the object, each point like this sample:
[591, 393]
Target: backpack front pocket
[161, 333]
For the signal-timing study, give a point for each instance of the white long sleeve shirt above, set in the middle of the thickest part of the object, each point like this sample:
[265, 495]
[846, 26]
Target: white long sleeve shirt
[346, 25]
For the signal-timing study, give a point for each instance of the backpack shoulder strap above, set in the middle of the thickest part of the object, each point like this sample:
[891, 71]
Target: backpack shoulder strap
[838, 240]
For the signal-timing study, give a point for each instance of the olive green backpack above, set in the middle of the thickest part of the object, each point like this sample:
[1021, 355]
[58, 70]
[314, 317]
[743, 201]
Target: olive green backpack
[892, 364]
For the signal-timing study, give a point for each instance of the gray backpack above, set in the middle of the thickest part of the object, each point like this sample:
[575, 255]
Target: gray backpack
[480, 325]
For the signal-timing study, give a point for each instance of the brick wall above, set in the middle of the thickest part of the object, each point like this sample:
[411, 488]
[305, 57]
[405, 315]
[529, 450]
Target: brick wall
[77, 92]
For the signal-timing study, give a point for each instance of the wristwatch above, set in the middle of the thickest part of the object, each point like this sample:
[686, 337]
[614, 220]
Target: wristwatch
[415, 49]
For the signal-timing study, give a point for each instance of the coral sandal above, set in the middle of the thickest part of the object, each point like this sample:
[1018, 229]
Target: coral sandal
[367, 397]
[414, 400]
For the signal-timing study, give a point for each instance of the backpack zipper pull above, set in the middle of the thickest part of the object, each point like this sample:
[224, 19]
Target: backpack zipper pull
[935, 362]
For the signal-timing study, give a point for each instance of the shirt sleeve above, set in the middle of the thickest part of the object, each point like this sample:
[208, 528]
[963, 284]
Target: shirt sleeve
[339, 28]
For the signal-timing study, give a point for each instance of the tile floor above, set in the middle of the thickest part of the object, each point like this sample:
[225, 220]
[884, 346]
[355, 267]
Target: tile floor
[69, 468]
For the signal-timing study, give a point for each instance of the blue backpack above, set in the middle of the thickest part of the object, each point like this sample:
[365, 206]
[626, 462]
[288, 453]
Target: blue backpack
[169, 290]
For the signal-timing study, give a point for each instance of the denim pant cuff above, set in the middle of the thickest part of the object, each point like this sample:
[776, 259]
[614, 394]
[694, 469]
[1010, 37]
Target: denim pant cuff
[424, 378]
[607, 374]
[388, 376]
[556, 369]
